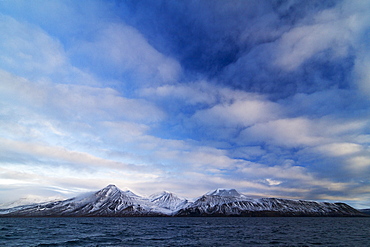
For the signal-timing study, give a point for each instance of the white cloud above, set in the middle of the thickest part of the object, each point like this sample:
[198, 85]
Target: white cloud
[291, 132]
[303, 131]
[202, 92]
[359, 163]
[287, 175]
[302, 43]
[29, 48]
[340, 149]
[332, 29]
[105, 103]
[36, 164]
[273, 182]
[60, 154]
[66, 181]
[78, 103]
[126, 49]
[28, 51]
[285, 171]
[239, 113]
[128, 131]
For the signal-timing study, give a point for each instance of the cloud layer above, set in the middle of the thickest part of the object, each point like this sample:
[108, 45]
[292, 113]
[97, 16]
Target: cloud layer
[268, 97]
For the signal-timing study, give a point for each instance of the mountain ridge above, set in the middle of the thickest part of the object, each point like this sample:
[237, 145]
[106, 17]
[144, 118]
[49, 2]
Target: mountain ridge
[113, 202]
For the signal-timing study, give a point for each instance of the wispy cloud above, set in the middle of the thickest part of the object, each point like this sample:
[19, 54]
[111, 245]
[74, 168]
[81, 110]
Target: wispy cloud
[123, 49]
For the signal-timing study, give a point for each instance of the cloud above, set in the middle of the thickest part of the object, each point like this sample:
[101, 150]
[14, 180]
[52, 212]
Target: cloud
[310, 129]
[329, 31]
[303, 131]
[273, 182]
[104, 102]
[360, 163]
[247, 152]
[41, 152]
[18, 180]
[269, 97]
[40, 165]
[280, 178]
[30, 52]
[325, 103]
[279, 48]
[192, 93]
[340, 149]
[122, 48]
[239, 113]
[204, 109]
[75, 101]
[298, 47]
[18, 48]
[115, 50]
[287, 132]
[362, 74]
[286, 171]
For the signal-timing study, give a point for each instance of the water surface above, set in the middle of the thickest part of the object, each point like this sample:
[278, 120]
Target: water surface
[156, 231]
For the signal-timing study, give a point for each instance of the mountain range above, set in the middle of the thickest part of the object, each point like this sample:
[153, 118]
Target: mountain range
[113, 202]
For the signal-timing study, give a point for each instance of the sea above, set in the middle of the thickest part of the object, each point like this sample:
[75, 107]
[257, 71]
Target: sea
[192, 231]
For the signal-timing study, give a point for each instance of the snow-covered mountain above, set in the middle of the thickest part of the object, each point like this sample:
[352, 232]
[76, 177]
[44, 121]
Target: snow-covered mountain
[111, 201]
[224, 202]
[168, 201]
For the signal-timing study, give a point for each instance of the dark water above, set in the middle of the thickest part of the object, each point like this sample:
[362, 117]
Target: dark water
[185, 231]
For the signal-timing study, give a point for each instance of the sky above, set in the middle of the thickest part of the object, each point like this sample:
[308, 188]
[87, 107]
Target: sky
[269, 97]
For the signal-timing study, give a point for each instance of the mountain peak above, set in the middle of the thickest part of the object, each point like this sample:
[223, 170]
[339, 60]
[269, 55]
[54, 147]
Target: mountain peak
[114, 190]
[168, 200]
[110, 189]
[223, 192]
[164, 195]
[111, 186]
